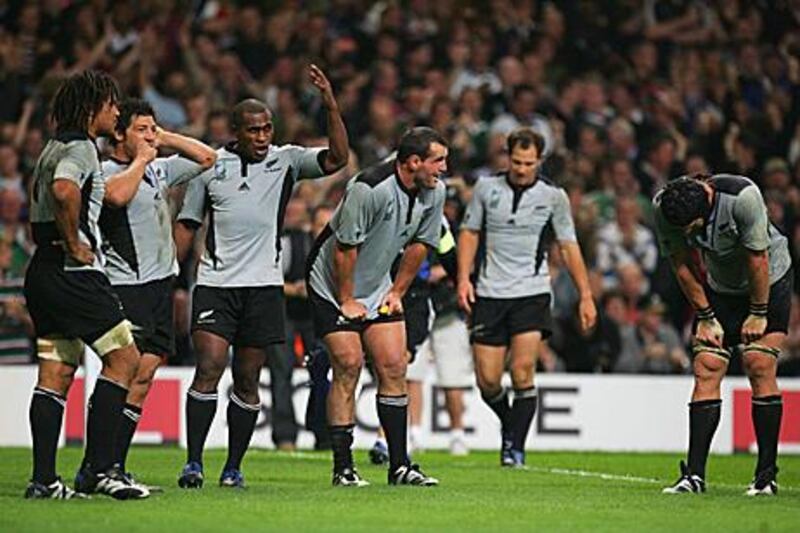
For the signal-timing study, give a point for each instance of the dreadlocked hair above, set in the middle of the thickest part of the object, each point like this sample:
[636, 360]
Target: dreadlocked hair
[80, 97]
[684, 200]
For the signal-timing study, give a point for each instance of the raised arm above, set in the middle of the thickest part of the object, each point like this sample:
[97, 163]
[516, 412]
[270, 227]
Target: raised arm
[197, 151]
[122, 187]
[338, 146]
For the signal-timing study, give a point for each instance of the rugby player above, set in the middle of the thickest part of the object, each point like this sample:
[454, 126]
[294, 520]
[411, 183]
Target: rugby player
[516, 214]
[393, 206]
[238, 300]
[69, 296]
[742, 309]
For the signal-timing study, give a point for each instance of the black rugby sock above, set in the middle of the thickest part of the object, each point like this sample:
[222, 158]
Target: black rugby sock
[103, 422]
[703, 421]
[127, 427]
[522, 413]
[498, 403]
[241, 423]
[200, 410]
[767, 412]
[46, 413]
[393, 415]
[341, 444]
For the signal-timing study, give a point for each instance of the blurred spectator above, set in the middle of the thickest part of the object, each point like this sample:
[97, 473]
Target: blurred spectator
[522, 112]
[628, 95]
[14, 233]
[652, 346]
[10, 175]
[632, 285]
[625, 241]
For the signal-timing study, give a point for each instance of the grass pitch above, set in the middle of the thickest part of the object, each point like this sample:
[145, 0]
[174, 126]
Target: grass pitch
[560, 491]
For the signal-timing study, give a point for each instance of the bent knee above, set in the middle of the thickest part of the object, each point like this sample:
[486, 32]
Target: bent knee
[758, 364]
[709, 367]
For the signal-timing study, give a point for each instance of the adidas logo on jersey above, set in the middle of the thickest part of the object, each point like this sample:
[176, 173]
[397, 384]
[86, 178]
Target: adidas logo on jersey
[244, 186]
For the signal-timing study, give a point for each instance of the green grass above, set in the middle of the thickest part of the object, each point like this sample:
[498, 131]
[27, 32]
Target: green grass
[293, 492]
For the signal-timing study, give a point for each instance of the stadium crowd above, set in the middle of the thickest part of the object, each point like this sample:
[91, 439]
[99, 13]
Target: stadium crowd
[628, 95]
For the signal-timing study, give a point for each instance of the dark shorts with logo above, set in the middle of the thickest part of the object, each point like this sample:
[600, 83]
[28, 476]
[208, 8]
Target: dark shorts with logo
[495, 320]
[149, 309]
[327, 318]
[244, 316]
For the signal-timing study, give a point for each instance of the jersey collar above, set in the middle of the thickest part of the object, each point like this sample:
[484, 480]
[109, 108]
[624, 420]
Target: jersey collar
[68, 136]
[233, 147]
[411, 193]
[520, 188]
[119, 161]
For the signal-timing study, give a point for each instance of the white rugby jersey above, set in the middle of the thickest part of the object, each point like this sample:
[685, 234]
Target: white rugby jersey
[74, 157]
[245, 203]
[137, 238]
[380, 216]
[517, 225]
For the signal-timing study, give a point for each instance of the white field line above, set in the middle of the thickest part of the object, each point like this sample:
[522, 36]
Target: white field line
[317, 456]
[631, 479]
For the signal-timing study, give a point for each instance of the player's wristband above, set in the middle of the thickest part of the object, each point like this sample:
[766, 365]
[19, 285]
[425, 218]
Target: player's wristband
[706, 313]
[758, 309]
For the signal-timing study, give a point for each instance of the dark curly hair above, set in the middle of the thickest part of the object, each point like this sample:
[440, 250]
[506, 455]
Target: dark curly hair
[684, 200]
[80, 97]
[128, 109]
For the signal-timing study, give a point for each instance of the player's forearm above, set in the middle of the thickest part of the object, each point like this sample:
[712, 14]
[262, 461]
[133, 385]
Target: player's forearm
[573, 259]
[344, 264]
[467, 248]
[758, 271]
[412, 259]
[183, 232]
[338, 145]
[197, 151]
[67, 211]
[690, 285]
[122, 187]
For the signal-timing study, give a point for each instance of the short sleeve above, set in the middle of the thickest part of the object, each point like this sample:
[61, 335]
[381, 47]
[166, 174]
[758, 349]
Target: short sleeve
[430, 227]
[354, 216]
[750, 216]
[193, 209]
[307, 162]
[563, 226]
[473, 217]
[77, 163]
[178, 170]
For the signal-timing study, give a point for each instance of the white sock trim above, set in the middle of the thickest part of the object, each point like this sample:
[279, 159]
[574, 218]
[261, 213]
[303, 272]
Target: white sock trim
[202, 396]
[246, 406]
